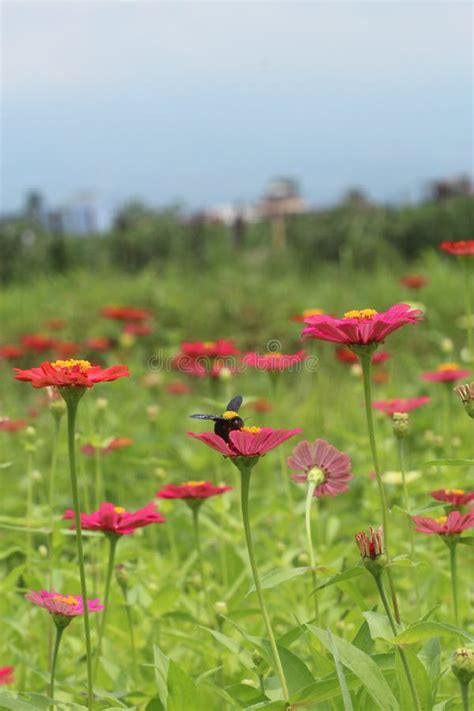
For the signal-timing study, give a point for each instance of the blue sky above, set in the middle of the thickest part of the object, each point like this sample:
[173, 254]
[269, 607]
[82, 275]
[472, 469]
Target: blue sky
[204, 102]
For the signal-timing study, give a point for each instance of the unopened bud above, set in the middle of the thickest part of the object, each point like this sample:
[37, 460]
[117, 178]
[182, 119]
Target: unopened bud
[447, 346]
[400, 424]
[462, 665]
[43, 551]
[57, 407]
[303, 559]
[466, 393]
[225, 374]
[153, 411]
[371, 548]
[221, 608]
[101, 403]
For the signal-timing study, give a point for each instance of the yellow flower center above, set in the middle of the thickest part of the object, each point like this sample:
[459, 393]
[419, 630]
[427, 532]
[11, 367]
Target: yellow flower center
[362, 314]
[209, 344]
[456, 492]
[194, 483]
[82, 365]
[229, 414]
[269, 354]
[448, 366]
[441, 519]
[66, 599]
[312, 312]
[253, 430]
[119, 509]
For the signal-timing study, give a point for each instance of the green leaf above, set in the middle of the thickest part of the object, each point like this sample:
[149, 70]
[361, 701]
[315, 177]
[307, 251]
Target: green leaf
[379, 625]
[346, 697]
[430, 655]
[402, 561]
[448, 463]
[363, 667]
[420, 679]
[363, 639]
[466, 540]
[278, 576]
[182, 690]
[341, 577]
[296, 672]
[233, 646]
[420, 631]
[161, 664]
[246, 694]
[324, 690]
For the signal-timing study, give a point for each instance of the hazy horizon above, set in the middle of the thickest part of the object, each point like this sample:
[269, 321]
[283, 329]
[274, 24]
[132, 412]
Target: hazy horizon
[203, 103]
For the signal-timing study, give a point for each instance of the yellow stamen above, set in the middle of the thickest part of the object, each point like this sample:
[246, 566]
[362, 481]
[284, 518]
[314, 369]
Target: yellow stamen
[119, 509]
[82, 365]
[456, 492]
[194, 483]
[312, 312]
[269, 354]
[229, 414]
[253, 430]
[66, 599]
[441, 519]
[209, 344]
[448, 366]
[362, 314]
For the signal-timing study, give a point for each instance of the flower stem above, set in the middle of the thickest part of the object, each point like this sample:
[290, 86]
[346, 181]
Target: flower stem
[246, 471]
[197, 540]
[309, 539]
[52, 476]
[366, 363]
[468, 305]
[406, 666]
[464, 686]
[72, 403]
[59, 634]
[406, 503]
[454, 579]
[113, 540]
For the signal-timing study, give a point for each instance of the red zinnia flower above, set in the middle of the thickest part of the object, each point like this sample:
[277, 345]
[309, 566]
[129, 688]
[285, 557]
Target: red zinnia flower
[125, 313]
[260, 405]
[191, 490]
[361, 327]
[459, 249]
[113, 444]
[70, 373]
[446, 373]
[455, 497]
[209, 349]
[11, 352]
[115, 519]
[453, 524]
[99, 343]
[414, 281]
[300, 318]
[7, 425]
[246, 442]
[66, 349]
[177, 387]
[55, 324]
[274, 361]
[62, 605]
[400, 404]
[37, 342]
[345, 355]
[322, 464]
[6, 676]
[137, 329]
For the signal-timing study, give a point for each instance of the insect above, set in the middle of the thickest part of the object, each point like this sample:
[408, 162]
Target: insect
[229, 420]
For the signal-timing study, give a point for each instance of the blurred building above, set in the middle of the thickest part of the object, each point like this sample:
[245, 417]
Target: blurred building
[282, 198]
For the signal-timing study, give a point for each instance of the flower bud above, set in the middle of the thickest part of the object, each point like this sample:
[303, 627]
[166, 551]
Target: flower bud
[466, 393]
[447, 346]
[101, 403]
[303, 559]
[225, 374]
[372, 550]
[127, 340]
[220, 607]
[400, 424]
[57, 408]
[462, 665]
[257, 658]
[153, 411]
[43, 551]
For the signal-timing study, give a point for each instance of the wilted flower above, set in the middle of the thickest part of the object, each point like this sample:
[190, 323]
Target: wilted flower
[115, 519]
[321, 464]
[371, 549]
[70, 373]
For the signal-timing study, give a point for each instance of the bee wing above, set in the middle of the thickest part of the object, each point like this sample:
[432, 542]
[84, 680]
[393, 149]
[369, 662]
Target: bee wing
[205, 417]
[235, 403]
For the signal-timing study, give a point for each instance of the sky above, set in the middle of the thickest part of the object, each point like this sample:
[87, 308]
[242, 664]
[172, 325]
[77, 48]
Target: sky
[203, 103]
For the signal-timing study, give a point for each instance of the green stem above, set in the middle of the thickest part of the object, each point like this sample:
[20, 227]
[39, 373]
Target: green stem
[99, 486]
[57, 642]
[72, 403]
[246, 471]
[468, 304]
[309, 540]
[128, 611]
[113, 540]
[464, 686]
[29, 511]
[52, 476]
[406, 666]
[197, 540]
[406, 503]
[454, 579]
[447, 417]
[366, 363]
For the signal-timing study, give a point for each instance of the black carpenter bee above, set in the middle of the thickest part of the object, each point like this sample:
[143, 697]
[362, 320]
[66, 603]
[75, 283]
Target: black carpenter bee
[229, 420]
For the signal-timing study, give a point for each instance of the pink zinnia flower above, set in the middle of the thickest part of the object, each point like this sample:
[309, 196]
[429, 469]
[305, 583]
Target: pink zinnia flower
[323, 464]
[7, 425]
[462, 248]
[6, 676]
[446, 373]
[115, 519]
[209, 349]
[455, 497]
[191, 490]
[62, 605]
[137, 329]
[70, 373]
[400, 404]
[361, 327]
[246, 442]
[453, 524]
[274, 361]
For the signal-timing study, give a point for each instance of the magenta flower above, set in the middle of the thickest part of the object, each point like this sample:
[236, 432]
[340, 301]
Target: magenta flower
[451, 525]
[323, 464]
[6, 676]
[390, 407]
[274, 361]
[455, 497]
[246, 442]
[115, 519]
[62, 605]
[360, 327]
[191, 490]
[446, 373]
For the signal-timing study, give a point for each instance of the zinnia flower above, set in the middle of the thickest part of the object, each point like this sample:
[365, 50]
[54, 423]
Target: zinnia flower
[137, 329]
[191, 490]
[113, 444]
[11, 352]
[63, 607]
[7, 425]
[459, 249]
[6, 676]
[322, 464]
[452, 524]
[125, 313]
[246, 442]
[209, 349]
[99, 343]
[37, 342]
[370, 546]
[390, 407]
[345, 355]
[360, 327]
[55, 324]
[66, 349]
[446, 373]
[67, 373]
[115, 519]
[177, 387]
[274, 361]
[414, 281]
[300, 318]
[455, 497]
